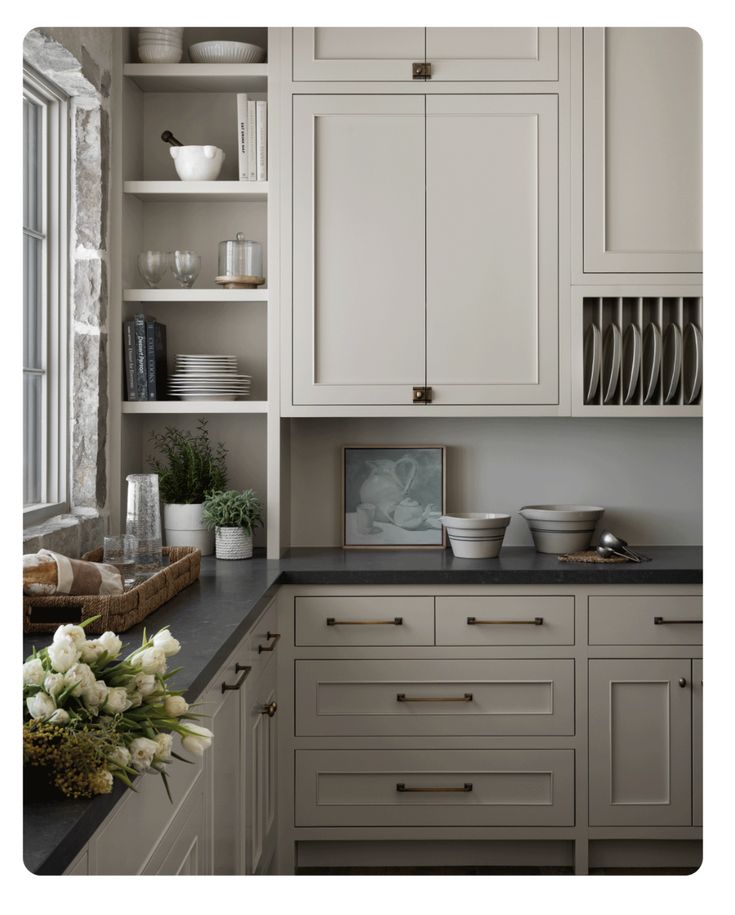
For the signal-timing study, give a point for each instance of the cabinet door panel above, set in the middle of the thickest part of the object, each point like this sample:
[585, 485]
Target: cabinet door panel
[491, 249]
[640, 742]
[358, 269]
[697, 771]
[642, 150]
[261, 770]
[224, 767]
[356, 53]
[492, 54]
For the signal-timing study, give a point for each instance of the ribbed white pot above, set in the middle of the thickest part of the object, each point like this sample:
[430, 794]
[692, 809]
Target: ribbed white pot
[233, 543]
[184, 527]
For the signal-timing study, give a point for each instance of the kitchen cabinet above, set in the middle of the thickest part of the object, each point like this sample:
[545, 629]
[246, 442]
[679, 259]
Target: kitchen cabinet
[642, 150]
[182, 851]
[697, 735]
[640, 732]
[261, 763]
[478, 54]
[425, 249]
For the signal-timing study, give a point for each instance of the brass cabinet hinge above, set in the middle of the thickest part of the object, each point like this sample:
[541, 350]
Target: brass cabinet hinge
[421, 394]
[421, 70]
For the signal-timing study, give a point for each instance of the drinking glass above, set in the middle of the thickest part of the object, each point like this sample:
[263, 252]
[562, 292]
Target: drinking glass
[152, 266]
[185, 266]
[144, 521]
[121, 553]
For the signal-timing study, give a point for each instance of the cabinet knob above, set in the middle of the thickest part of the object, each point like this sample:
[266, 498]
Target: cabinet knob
[270, 709]
[682, 681]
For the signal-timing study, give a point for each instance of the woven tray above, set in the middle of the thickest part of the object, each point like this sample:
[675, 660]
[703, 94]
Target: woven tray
[117, 612]
[590, 556]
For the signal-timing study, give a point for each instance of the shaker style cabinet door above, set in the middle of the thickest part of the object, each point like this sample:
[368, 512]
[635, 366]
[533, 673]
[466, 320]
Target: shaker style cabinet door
[640, 733]
[260, 709]
[491, 249]
[697, 772]
[492, 54]
[642, 150]
[357, 54]
[358, 249]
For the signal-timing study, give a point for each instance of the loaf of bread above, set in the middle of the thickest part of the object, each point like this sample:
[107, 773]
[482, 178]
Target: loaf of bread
[46, 573]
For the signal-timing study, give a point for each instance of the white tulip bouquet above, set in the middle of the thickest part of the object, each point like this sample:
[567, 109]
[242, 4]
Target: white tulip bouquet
[91, 717]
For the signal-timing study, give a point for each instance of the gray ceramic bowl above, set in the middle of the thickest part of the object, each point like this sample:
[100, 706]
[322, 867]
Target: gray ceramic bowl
[476, 535]
[561, 528]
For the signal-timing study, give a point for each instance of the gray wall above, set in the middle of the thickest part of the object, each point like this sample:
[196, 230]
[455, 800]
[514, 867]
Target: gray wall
[646, 473]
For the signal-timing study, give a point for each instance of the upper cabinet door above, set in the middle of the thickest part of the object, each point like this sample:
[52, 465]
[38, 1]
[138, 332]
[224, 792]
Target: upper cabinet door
[356, 54]
[493, 54]
[642, 150]
[358, 249]
[491, 249]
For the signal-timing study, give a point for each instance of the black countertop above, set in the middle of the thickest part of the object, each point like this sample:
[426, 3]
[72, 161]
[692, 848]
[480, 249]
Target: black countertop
[211, 616]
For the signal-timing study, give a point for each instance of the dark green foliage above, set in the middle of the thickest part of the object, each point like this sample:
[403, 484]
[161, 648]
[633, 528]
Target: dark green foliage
[188, 468]
[233, 509]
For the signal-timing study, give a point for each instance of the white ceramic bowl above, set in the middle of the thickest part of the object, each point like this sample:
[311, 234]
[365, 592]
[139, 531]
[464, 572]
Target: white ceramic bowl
[159, 53]
[197, 163]
[226, 52]
[476, 535]
[561, 528]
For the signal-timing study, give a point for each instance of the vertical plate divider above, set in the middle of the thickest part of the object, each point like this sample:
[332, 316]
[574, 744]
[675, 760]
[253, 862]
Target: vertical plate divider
[619, 317]
[600, 327]
[660, 323]
[680, 320]
[639, 323]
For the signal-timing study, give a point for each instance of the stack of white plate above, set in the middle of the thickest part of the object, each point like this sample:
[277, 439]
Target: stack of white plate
[202, 376]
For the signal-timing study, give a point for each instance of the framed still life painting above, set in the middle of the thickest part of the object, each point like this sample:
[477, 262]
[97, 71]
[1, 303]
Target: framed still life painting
[393, 496]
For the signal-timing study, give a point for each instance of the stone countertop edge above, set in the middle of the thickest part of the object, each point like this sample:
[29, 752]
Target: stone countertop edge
[211, 616]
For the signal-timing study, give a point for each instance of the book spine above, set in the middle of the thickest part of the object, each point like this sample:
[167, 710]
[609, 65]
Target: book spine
[242, 136]
[150, 356]
[261, 133]
[141, 374]
[161, 368]
[252, 152]
[129, 354]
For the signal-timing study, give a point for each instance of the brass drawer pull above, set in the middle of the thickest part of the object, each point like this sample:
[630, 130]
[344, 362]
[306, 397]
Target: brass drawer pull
[402, 697]
[421, 70]
[536, 621]
[396, 621]
[459, 790]
[270, 635]
[270, 709]
[660, 621]
[238, 668]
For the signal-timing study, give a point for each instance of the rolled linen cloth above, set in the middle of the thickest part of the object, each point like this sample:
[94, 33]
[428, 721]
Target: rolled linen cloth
[46, 573]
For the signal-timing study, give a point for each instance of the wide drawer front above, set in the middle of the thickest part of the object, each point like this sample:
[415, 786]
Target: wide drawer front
[364, 620]
[444, 697]
[645, 620]
[505, 620]
[434, 787]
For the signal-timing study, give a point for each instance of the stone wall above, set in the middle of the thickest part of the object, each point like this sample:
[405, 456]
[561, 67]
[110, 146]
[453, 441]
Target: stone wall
[79, 61]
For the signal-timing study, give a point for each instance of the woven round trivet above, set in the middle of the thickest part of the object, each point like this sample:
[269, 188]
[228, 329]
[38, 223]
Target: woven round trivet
[590, 556]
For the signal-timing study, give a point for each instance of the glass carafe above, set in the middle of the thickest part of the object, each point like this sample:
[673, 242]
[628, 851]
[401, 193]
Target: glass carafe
[144, 521]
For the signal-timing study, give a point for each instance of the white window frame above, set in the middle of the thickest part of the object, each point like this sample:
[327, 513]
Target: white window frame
[55, 329]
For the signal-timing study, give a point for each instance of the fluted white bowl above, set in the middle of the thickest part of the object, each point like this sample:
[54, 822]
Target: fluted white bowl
[159, 53]
[226, 52]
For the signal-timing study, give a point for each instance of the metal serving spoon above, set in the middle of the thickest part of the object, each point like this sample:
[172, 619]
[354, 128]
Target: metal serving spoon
[617, 544]
[606, 552]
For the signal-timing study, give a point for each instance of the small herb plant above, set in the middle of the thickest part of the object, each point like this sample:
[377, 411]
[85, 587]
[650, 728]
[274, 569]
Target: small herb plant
[188, 468]
[233, 509]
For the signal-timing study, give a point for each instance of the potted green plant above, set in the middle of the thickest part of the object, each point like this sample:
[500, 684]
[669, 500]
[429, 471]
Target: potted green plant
[188, 469]
[233, 515]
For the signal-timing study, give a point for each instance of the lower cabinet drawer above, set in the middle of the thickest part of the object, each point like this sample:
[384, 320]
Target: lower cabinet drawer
[516, 619]
[356, 620]
[427, 697]
[434, 787]
[674, 619]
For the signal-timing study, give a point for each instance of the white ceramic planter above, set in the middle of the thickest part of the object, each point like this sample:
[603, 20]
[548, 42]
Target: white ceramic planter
[184, 527]
[233, 543]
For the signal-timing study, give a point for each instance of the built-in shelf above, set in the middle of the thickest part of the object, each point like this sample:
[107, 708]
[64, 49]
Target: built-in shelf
[199, 77]
[195, 295]
[195, 406]
[235, 191]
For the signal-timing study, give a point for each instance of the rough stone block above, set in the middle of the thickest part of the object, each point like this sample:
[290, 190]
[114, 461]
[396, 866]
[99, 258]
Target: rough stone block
[90, 291]
[87, 187]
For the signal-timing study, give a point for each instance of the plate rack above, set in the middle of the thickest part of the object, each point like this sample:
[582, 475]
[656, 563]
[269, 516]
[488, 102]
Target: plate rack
[640, 311]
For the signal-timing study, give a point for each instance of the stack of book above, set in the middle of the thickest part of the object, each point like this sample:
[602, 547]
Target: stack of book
[144, 354]
[252, 138]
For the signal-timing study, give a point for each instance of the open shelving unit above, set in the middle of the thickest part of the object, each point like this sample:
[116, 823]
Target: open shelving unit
[152, 209]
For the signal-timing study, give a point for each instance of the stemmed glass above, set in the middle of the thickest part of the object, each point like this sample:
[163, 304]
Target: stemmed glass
[185, 266]
[152, 266]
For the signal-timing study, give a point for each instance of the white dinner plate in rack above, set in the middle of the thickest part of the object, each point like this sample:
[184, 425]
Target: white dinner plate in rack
[651, 361]
[671, 362]
[631, 361]
[611, 356]
[692, 363]
[592, 361]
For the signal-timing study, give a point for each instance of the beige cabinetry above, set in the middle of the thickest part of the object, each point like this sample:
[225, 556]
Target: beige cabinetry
[260, 708]
[405, 272]
[467, 54]
[642, 150]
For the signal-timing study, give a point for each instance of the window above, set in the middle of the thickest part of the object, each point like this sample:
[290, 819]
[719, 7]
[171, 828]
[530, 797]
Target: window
[45, 131]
